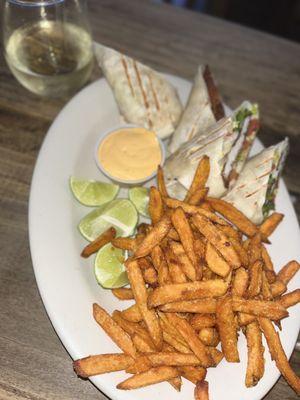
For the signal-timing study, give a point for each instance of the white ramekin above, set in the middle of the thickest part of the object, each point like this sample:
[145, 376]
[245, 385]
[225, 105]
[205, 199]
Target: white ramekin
[124, 181]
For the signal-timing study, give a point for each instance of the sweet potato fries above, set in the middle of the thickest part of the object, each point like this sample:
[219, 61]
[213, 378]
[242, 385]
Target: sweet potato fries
[200, 274]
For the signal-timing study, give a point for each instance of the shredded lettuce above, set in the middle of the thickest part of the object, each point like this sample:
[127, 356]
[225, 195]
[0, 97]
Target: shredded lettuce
[243, 113]
[269, 203]
[240, 117]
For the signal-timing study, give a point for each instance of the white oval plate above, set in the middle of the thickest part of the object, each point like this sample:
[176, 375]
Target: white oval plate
[66, 281]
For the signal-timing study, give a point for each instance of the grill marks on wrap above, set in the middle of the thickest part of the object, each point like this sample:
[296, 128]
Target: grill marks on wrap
[155, 95]
[125, 66]
[193, 131]
[132, 74]
[205, 144]
[143, 93]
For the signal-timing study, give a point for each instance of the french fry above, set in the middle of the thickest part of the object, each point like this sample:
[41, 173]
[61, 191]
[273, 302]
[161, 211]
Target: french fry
[173, 235]
[124, 243]
[278, 288]
[175, 271]
[191, 337]
[168, 327]
[150, 377]
[288, 271]
[130, 327]
[200, 247]
[143, 228]
[216, 262]
[271, 276]
[233, 215]
[200, 321]
[206, 206]
[268, 265]
[290, 299]
[156, 206]
[140, 294]
[123, 293]
[144, 263]
[231, 232]
[245, 319]
[182, 226]
[113, 330]
[216, 355]
[265, 288]
[185, 263]
[176, 383]
[173, 359]
[161, 182]
[278, 353]
[150, 276]
[204, 306]
[201, 391]
[209, 336]
[218, 239]
[255, 364]
[241, 252]
[198, 196]
[154, 237]
[160, 265]
[171, 340]
[101, 364]
[143, 344]
[286, 301]
[270, 224]
[132, 313]
[240, 282]
[200, 177]
[193, 374]
[192, 210]
[141, 364]
[187, 291]
[227, 329]
[207, 273]
[254, 248]
[99, 242]
[255, 279]
[139, 238]
[270, 309]
[191, 306]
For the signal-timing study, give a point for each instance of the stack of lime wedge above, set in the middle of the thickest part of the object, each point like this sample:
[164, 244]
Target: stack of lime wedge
[120, 213]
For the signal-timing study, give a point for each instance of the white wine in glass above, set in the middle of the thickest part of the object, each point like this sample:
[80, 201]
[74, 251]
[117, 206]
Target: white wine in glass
[50, 52]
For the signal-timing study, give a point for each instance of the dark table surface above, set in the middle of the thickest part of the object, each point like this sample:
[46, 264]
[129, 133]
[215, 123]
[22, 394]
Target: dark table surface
[247, 64]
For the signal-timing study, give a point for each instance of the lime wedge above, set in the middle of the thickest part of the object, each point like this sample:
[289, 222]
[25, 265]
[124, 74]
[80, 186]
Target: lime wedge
[109, 266]
[140, 198]
[119, 213]
[93, 193]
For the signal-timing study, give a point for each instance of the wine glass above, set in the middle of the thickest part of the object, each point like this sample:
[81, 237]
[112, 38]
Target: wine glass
[48, 44]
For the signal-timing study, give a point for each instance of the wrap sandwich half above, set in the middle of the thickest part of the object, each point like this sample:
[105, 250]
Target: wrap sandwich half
[144, 97]
[255, 189]
[180, 167]
[204, 107]
[223, 143]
